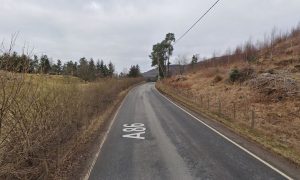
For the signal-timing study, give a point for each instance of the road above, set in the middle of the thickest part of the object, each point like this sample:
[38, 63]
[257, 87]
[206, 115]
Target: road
[151, 138]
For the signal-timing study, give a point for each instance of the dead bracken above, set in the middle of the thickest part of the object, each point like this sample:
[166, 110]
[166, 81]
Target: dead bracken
[274, 87]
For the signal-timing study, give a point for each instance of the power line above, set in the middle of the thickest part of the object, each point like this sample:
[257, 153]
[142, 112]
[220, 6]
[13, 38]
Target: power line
[196, 22]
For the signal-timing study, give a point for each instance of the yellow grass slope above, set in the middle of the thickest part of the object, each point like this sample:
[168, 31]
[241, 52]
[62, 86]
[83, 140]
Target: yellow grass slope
[46, 121]
[264, 106]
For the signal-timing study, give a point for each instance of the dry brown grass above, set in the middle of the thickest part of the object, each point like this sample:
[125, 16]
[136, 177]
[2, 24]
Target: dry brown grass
[45, 118]
[271, 93]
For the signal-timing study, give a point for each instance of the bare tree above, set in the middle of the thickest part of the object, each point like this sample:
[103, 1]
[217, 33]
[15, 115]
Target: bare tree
[228, 54]
[273, 37]
[182, 62]
[213, 59]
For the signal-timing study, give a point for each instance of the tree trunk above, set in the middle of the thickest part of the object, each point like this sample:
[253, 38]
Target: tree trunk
[168, 70]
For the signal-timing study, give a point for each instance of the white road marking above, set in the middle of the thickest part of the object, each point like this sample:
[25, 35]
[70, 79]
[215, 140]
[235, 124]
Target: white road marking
[86, 177]
[231, 141]
[135, 127]
[134, 135]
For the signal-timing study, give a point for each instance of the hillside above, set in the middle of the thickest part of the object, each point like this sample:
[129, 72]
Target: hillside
[174, 70]
[255, 91]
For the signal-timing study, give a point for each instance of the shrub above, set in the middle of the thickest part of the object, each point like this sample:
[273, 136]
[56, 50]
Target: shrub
[241, 75]
[42, 120]
[246, 73]
[234, 75]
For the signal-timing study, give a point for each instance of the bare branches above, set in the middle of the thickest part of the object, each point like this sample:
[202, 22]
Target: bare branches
[40, 117]
[182, 62]
[12, 43]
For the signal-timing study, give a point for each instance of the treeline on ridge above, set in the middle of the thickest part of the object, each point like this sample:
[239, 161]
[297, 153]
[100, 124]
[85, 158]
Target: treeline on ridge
[85, 69]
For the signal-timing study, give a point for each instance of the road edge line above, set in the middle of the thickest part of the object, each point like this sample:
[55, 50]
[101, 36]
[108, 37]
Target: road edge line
[86, 177]
[228, 139]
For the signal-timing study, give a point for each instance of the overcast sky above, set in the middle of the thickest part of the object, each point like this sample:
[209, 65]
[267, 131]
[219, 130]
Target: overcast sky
[123, 31]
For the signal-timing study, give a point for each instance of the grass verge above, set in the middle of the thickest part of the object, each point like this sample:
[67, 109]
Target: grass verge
[258, 136]
[85, 149]
[47, 121]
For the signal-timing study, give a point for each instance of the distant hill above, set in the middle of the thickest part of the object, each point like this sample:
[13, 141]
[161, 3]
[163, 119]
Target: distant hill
[150, 73]
[174, 70]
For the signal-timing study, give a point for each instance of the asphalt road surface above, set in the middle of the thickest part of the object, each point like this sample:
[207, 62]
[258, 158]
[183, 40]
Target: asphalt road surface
[151, 138]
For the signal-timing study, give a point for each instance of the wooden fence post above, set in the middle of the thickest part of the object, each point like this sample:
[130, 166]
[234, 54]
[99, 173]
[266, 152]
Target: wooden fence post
[220, 108]
[252, 119]
[201, 101]
[234, 111]
[208, 102]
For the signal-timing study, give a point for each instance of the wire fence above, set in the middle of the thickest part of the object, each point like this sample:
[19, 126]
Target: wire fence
[265, 107]
[241, 111]
[277, 124]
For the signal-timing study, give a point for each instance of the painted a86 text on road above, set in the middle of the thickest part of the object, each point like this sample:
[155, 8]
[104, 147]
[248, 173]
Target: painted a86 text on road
[135, 130]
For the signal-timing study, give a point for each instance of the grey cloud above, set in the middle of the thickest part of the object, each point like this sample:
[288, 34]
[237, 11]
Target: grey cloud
[124, 31]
